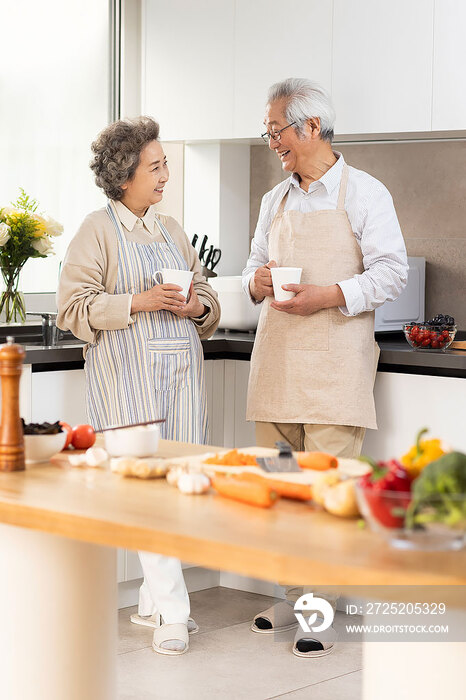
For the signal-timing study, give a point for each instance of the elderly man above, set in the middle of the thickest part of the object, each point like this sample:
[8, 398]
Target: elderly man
[314, 360]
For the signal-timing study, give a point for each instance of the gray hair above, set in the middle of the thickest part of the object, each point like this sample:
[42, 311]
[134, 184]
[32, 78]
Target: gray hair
[305, 99]
[117, 150]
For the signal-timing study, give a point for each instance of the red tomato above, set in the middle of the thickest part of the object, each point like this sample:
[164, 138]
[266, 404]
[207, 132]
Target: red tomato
[83, 437]
[425, 342]
[66, 427]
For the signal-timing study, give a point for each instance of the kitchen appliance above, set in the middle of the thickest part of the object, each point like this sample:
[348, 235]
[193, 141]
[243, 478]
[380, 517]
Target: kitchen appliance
[237, 311]
[410, 304]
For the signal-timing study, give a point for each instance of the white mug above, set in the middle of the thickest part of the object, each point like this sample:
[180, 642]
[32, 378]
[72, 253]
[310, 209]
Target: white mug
[182, 278]
[284, 275]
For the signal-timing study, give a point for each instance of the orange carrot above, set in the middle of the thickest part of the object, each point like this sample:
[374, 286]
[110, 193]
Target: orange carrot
[233, 458]
[245, 491]
[316, 460]
[287, 489]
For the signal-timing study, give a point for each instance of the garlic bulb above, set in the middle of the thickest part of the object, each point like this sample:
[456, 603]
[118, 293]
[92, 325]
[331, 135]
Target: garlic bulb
[193, 483]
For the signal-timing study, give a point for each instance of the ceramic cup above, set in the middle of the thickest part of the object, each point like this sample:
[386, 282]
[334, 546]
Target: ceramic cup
[284, 275]
[180, 277]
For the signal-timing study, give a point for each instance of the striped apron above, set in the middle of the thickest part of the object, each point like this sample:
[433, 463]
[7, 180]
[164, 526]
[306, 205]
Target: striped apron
[155, 367]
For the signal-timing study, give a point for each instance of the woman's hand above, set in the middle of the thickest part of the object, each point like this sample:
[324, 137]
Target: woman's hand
[162, 296]
[194, 308]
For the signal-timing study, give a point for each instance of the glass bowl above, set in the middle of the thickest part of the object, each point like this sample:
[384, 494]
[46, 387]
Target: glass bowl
[384, 512]
[422, 336]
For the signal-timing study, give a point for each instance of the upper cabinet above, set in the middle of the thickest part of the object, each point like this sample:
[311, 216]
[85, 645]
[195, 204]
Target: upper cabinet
[382, 65]
[449, 95]
[273, 41]
[188, 67]
[390, 66]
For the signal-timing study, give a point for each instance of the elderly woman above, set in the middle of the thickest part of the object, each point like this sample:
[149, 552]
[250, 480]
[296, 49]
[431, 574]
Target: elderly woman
[144, 357]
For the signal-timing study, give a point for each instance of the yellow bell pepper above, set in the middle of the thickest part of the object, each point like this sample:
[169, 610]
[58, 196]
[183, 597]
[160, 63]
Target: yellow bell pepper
[421, 454]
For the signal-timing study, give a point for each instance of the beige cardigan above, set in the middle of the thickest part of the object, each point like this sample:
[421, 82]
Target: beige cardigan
[86, 300]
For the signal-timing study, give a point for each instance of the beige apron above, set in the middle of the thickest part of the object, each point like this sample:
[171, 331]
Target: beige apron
[319, 368]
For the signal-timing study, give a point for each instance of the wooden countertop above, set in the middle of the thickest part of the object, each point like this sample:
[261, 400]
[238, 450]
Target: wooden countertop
[291, 542]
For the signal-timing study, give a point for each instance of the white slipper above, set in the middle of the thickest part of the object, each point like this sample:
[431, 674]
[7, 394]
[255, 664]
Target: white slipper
[165, 633]
[312, 645]
[155, 621]
[281, 616]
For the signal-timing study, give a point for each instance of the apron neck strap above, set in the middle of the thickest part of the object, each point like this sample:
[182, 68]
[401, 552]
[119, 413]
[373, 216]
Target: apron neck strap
[342, 193]
[281, 206]
[163, 230]
[115, 221]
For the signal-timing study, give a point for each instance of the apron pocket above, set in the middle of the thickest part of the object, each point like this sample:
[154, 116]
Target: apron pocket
[299, 332]
[170, 361]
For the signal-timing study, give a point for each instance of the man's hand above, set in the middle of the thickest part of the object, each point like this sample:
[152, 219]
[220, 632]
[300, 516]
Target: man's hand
[193, 308]
[260, 284]
[162, 296]
[310, 298]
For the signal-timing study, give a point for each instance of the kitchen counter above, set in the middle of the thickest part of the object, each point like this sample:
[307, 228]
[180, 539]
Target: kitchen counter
[395, 353]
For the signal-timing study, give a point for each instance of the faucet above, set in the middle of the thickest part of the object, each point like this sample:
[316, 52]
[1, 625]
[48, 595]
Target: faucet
[50, 332]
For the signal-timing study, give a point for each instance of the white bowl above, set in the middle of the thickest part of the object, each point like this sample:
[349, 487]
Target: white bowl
[238, 313]
[141, 441]
[39, 448]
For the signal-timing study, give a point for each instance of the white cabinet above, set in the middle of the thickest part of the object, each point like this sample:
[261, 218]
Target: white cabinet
[59, 395]
[188, 67]
[390, 67]
[215, 388]
[227, 388]
[408, 402]
[382, 65]
[449, 95]
[237, 432]
[273, 41]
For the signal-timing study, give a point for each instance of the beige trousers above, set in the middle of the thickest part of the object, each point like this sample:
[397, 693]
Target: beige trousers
[338, 440]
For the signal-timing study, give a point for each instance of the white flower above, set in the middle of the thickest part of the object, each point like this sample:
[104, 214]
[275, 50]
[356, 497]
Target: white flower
[4, 233]
[43, 245]
[52, 227]
[8, 211]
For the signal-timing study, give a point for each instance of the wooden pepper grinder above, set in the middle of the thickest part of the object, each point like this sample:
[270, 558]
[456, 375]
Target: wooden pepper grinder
[11, 429]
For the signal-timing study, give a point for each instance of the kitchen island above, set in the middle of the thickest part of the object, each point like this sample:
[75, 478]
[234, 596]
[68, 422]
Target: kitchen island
[58, 534]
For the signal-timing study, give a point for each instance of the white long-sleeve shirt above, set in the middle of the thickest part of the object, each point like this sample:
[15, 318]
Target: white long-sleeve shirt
[372, 216]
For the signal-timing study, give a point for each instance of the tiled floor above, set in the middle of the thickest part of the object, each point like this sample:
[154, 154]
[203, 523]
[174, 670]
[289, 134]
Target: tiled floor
[227, 661]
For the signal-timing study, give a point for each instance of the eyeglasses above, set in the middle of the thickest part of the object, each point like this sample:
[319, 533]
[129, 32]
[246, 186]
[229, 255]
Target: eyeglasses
[275, 135]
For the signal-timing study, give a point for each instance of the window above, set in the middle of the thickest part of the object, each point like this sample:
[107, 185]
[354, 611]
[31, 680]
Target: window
[54, 99]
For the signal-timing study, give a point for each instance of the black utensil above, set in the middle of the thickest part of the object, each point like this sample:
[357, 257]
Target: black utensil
[208, 257]
[202, 249]
[131, 425]
[215, 258]
[194, 241]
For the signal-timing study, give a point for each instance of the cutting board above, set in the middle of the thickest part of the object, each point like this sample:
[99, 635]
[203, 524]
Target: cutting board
[458, 345]
[346, 467]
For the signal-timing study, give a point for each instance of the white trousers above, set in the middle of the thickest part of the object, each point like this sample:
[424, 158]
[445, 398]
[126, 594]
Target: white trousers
[163, 589]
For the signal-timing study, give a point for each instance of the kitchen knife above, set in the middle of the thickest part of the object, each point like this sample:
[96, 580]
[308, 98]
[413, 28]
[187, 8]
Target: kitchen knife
[283, 462]
[202, 249]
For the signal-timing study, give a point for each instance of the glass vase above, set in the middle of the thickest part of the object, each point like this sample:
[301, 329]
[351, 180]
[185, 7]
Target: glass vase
[12, 307]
